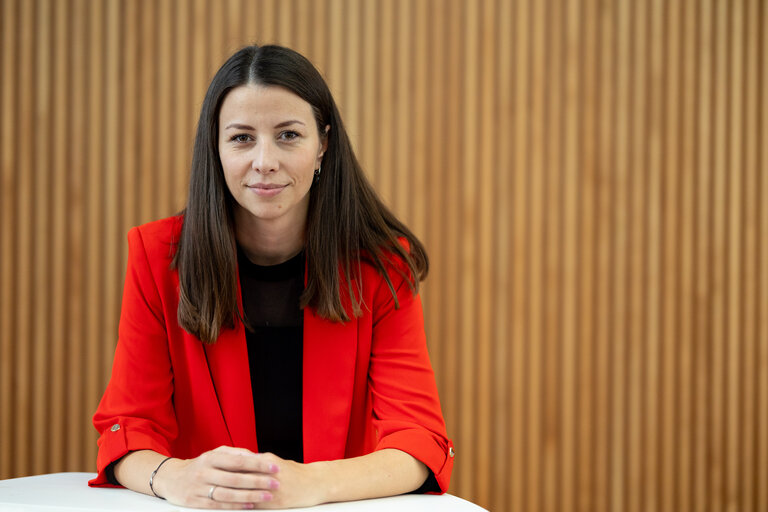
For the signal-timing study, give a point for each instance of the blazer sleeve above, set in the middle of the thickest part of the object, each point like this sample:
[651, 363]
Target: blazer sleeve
[406, 407]
[136, 411]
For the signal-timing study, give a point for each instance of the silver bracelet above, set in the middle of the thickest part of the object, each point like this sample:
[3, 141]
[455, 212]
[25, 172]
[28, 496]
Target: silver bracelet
[152, 477]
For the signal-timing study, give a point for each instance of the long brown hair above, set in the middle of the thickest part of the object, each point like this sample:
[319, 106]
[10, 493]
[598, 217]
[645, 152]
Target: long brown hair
[347, 222]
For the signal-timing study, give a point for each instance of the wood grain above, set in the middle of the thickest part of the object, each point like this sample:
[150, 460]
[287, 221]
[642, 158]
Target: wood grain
[589, 178]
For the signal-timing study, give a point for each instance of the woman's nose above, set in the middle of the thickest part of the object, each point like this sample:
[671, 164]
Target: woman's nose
[264, 158]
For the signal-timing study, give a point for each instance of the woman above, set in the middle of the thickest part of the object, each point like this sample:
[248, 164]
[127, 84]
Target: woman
[271, 347]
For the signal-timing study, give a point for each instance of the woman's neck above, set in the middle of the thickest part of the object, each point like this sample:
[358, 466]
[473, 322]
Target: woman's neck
[269, 242]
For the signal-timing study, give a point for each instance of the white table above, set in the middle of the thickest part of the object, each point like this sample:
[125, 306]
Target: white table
[70, 492]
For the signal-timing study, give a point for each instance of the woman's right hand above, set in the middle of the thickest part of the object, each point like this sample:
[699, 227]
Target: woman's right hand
[223, 478]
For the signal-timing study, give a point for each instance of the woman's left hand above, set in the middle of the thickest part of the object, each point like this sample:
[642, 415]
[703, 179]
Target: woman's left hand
[300, 484]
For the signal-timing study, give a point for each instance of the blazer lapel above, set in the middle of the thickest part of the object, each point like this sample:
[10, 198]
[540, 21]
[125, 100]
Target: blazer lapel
[330, 351]
[230, 373]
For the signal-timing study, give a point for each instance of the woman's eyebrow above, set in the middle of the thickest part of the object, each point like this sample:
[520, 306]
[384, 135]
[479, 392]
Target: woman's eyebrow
[238, 126]
[286, 123]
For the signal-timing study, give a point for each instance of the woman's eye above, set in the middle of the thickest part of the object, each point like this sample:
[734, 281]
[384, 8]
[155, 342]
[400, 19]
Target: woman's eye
[288, 135]
[240, 137]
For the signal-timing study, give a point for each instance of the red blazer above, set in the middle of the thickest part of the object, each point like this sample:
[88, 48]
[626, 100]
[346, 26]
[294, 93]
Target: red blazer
[368, 383]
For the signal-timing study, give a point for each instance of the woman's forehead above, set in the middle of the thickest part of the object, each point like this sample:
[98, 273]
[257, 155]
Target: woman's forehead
[264, 101]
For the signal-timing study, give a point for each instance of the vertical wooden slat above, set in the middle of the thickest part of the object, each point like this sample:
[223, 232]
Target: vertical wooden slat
[41, 331]
[146, 191]
[669, 263]
[351, 57]
[8, 272]
[164, 113]
[718, 241]
[535, 245]
[749, 275]
[702, 261]
[734, 343]
[453, 405]
[111, 278]
[200, 55]
[620, 248]
[604, 191]
[185, 119]
[403, 113]
[684, 467]
[233, 25]
[368, 138]
[94, 226]
[57, 382]
[485, 161]
[653, 145]
[130, 124]
[586, 258]
[76, 184]
[334, 48]
[636, 228]
[266, 22]
[385, 161]
[501, 386]
[283, 19]
[213, 16]
[569, 163]
[761, 468]
[467, 257]
[304, 25]
[320, 37]
[23, 240]
[552, 437]
[520, 475]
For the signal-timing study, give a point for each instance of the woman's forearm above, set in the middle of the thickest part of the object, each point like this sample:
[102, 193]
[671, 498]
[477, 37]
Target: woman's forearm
[385, 472]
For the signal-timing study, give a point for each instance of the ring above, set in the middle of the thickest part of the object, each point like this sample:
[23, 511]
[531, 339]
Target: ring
[210, 492]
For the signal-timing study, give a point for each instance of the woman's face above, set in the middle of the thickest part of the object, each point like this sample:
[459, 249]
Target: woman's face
[269, 147]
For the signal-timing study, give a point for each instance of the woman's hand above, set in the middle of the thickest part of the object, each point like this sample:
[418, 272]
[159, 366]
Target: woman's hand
[235, 478]
[299, 485]
[239, 478]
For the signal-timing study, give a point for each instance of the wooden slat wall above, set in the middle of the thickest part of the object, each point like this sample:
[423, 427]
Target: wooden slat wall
[589, 176]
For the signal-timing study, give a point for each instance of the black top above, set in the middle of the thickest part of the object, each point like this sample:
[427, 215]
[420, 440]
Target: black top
[275, 351]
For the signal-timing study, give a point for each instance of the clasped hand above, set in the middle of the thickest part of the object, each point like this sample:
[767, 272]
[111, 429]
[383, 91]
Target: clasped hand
[236, 478]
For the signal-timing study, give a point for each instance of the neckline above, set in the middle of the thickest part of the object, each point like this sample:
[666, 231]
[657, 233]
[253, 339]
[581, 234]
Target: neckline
[290, 268]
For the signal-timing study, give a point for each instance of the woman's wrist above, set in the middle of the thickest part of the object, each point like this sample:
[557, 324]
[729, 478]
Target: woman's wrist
[164, 476]
[154, 473]
[321, 475]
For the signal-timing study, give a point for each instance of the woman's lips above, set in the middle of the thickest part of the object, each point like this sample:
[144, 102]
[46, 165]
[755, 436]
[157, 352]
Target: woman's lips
[266, 190]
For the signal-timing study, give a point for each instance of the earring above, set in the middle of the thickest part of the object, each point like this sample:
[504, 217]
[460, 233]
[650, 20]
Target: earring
[317, 174]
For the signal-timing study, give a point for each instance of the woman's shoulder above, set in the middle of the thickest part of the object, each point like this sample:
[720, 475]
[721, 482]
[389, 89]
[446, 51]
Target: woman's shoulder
[392, 261]
[158, 238]
[167, 227]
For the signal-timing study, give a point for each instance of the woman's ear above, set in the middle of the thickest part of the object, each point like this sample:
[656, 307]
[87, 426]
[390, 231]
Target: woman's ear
[323, 143]
[325, 137]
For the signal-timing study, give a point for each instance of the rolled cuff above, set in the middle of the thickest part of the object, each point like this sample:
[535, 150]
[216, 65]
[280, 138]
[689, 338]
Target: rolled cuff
[435, 452]
[120, 439]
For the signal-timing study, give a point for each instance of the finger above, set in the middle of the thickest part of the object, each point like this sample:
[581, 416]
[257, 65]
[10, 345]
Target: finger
[241, 461]
[241, 497]
[232, 450]
[243, 480]
[218, 505]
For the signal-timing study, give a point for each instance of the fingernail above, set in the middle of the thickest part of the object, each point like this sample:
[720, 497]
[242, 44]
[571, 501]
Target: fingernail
[249, 506]
[266, 496]
[274, 484]
[273, 468]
